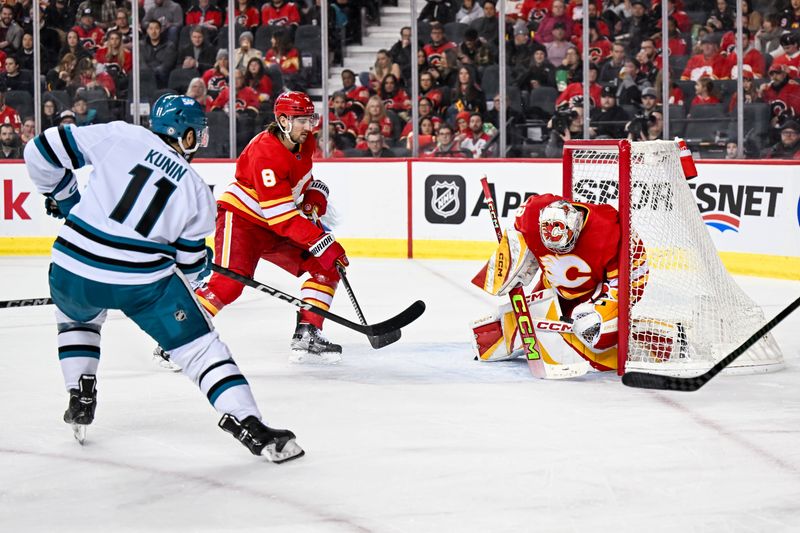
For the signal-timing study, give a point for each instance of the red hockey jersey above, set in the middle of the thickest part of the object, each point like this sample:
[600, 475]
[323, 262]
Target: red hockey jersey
[282, 16]
[269, 181]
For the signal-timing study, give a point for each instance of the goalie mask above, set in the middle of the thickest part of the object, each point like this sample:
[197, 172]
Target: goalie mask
[512, 264]
[559, 226]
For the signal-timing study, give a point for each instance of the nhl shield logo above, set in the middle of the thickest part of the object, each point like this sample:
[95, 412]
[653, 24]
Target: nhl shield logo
[445, 199]
[180, 315]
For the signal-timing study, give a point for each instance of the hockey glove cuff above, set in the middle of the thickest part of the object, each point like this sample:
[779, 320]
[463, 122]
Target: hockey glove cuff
[315, 199]
[328, 252]
[64, 197]
[196, 278]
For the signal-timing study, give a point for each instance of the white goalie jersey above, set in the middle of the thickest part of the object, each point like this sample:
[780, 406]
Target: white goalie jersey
[144, 211]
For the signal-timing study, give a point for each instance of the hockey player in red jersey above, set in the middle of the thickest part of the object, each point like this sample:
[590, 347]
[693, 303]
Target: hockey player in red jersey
[576, 248]
[266, 214]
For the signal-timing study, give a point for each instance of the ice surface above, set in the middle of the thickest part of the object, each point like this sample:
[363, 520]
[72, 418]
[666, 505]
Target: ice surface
[415, 437]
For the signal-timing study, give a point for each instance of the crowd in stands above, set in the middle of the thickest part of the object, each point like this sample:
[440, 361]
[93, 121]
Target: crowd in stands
[86, 63]
[458, 66]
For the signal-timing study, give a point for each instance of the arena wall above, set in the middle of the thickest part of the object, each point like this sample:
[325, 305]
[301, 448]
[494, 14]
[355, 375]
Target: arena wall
[435, 209]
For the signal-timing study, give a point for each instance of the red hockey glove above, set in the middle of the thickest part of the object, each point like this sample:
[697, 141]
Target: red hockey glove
[315, 199]
[328, 252]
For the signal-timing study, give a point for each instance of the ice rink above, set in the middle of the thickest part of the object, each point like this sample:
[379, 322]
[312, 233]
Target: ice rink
[416, 437]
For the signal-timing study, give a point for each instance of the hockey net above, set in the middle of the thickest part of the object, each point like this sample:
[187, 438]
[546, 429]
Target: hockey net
[691, 313]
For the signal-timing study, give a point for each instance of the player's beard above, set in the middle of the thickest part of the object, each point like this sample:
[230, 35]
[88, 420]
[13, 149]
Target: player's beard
[301, 137]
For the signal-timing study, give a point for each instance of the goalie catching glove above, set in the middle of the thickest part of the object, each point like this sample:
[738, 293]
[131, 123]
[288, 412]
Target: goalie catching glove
[595, 322]
[512, 264]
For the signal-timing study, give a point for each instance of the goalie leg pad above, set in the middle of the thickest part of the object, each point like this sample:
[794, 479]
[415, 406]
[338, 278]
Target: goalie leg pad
[493, 336]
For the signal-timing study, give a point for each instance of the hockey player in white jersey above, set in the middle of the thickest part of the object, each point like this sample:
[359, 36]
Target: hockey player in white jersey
[134, 240]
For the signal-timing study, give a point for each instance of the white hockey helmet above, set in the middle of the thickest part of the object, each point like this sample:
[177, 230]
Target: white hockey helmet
[512, 264]
[559, 226]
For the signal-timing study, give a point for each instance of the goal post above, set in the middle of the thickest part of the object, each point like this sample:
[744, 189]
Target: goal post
[691, 312]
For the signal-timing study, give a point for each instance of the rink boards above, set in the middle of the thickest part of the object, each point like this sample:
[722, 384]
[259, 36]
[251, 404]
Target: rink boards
[435, 209]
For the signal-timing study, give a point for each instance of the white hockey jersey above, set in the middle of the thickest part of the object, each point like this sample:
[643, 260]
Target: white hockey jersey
[144, 211]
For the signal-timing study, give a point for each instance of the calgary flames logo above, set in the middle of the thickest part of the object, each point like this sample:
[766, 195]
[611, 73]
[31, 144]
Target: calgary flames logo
[555, 232]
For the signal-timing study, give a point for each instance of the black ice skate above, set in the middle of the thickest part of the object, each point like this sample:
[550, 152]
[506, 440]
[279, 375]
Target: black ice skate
[277, 445]
[82, 403]
[309, 345]
[164, 360]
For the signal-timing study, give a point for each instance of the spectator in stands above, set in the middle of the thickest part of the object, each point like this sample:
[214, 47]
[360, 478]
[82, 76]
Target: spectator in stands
[790, 16]
[731, 149]
[599, 44]
[628, 91]
[256, 78]
[73, 46]
[169, 15]
[704, 92]
[790, 57]
[158, 54]
[28, 130]
[9, 143]
[245, 52]
[427, 135]
[333, 151]
[66, 117]
[570, 70]
[114, 54]
[721, 18]
[649, 62]
[437, 96]
[89, 78]
[205, 15]
[519, 52]
[440, 11]
[710, 63]
[247, 101]
[104, 12]
[566, 124]
[677, 40]
[197, 90]
[49, 112]
[558, 45]
[477, 141]
[446, 146]
[487, 24]
[650, 102]
[10, 31]
[575, 89]
[470, 10]
[749, 89]
[752, 57]
[84, 116]
[123, 27]
[467, 96]
[446, 72]
[247, 16]
[394, 97]
[361, 141]
[400, 54]
[610, 68]
[789, 145]
[357, 95]
[544, 33]
[9, 115]
[426, 110]
[61, 75]
[280, 13]
[343, 120]
[462, 125]
[473, 51]
[768, 37]
[58, 16]
[25, 53]
[382, 67]
[438, 45]
[216, 78]
[14, 78]
[637, 26]
[608, 121]
[541, 73]
[90, 34]
[375, 112]
[681, 18]
[284, 55]
[198, 49]
[782, 93]
[376, 146]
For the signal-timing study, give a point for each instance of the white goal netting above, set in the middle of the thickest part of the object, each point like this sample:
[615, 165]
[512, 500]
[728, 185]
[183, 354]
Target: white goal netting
[691, 313]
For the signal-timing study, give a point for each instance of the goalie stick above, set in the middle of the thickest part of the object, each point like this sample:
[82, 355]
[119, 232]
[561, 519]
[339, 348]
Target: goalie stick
[390, 326]
[26, 302]
[643, 380]
[377, 341]
[519, 304]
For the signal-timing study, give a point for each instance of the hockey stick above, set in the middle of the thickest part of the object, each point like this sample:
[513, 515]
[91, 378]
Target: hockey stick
[378, 341]
[410, 314]
[643, 380]
[26, 303]
[519, 304]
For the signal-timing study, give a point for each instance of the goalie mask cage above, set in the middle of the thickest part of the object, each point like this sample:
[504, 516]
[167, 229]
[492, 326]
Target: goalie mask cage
[691, 313]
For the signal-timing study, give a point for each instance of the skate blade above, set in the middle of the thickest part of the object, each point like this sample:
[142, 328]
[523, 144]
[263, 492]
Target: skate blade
[324, 358]
[291, 450]
[79, 432]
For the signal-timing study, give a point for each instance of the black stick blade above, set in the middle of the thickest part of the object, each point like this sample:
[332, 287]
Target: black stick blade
[642, 380]
[379, 341]
[409, 315]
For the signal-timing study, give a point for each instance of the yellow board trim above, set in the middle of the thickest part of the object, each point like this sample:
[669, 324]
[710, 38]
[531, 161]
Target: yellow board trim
[767, 266]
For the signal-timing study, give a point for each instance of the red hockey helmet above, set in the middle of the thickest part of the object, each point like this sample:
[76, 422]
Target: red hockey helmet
[295, 104]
